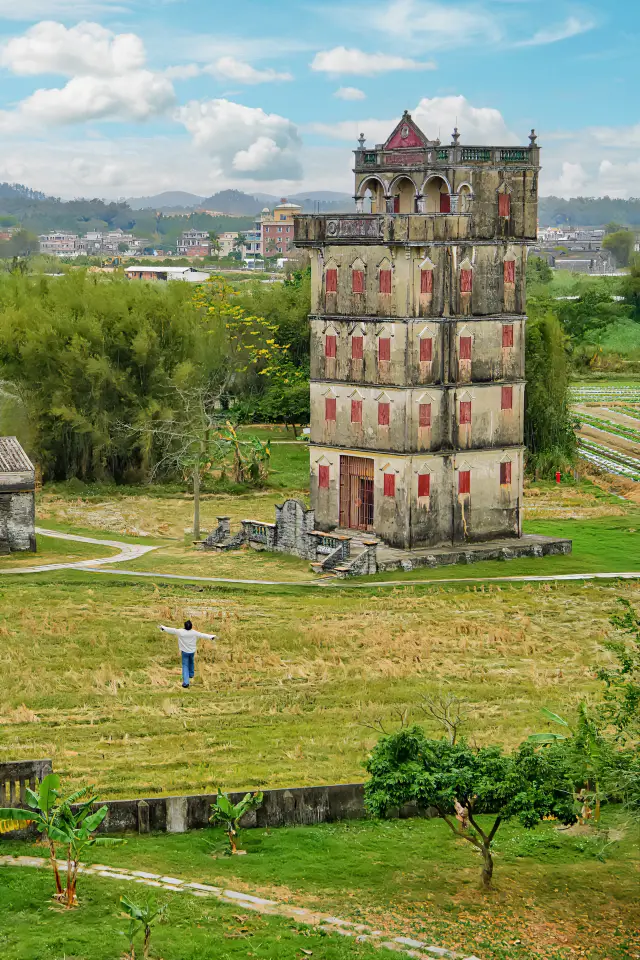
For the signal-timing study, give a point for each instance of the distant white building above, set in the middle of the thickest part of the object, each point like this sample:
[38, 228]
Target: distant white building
[186, 274]
[60, 244]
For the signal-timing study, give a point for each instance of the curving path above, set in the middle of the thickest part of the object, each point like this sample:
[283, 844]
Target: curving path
[131, 551]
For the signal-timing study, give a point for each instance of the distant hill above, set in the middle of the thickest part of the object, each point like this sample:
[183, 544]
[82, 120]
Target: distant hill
[17, 190]
[234, 202]
[170, 199]
[588, 211]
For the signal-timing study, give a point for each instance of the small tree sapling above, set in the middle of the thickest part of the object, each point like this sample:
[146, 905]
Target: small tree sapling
[142, 917]
[229, 814]
[460, 783]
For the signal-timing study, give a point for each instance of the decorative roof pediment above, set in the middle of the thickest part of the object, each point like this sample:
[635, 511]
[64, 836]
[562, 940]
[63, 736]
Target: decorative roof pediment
[425, 398]
[422, 467]
[323, 461]
[464, 396]
[427, 264]
[356, 395]
[356, 329]
[330, 393]
[427, 331]
[383, 398]
[407, 134]
[388, 468]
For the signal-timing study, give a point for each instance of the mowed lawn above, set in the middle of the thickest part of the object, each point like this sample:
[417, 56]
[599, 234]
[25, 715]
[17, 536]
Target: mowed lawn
[296, 672]
[557, 894]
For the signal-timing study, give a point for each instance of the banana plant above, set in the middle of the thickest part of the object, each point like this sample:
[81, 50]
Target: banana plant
[229, 814]
[76, 829]
[44, 812]
[141, 918]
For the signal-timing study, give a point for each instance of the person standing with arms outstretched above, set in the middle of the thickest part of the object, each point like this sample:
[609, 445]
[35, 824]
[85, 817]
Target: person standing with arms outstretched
[187, 642]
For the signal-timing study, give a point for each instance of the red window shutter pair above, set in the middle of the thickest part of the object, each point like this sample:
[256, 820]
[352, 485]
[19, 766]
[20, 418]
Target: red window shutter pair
[389, 484]
[330, 344]
[384, 413]
[507, 334]
[330, 408]
[505, 474]
[464, 481]
[357, 348]
[424, 415]
[507, 398]
[323, 476]
[465, 348]
[504, 205]
[357, 281]
[445, 203]
[424, 484]
[356, 411]
[385, 281]
[331, 281]
[466, 281]
[426, 281]
[426, 350]
[465, 411]
[509, 271]
[384, 348]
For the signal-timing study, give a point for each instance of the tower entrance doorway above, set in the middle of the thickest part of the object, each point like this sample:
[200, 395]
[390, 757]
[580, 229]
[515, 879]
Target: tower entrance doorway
[356, 493]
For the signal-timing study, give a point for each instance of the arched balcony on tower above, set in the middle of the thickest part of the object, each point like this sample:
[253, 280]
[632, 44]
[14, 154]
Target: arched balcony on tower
[404, 196]
[437, 195]
[371, 196]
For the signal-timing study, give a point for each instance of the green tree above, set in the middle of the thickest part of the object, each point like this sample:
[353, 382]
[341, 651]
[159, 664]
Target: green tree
[460, 783]
[621, 700]
[630, 286]
[621, 244]
[613, 227]
[142, 917]
[538, 271]
[548, 423]
[228, 814]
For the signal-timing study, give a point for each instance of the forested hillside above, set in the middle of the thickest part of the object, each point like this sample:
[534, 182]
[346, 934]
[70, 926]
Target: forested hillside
[588, 211]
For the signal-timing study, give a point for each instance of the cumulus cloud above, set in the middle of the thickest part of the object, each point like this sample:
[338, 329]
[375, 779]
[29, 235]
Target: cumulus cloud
[229, 68]
[572, 27]
[350, 93]
[436, 117]
[88, 49]
[437, 25]
[358, 63]
[108, 77]
[244, 141]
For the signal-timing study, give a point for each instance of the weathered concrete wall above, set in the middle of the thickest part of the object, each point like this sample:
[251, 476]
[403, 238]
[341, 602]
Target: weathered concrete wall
[489, 510]
[17, 520]
[486, 260]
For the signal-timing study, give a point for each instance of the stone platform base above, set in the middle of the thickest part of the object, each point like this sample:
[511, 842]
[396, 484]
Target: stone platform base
[530, 545]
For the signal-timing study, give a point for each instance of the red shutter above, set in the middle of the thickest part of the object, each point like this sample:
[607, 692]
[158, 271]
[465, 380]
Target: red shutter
[389, 484]
[396, 204]
[445, 203]
[323, 476]
[357, 281]
[330, 408]
[465, 348]
[505, 474]
[507, 398]
[464, 481]
[331, 280]
[329, 345]
[504, 204]
[383, 414]
[356, 411]
[466, 281]
[424, 484]
[426, 350]
[424, 415]
[357, 351]
[507, 334]
[385, 281]
[426, 281]
[384, 348]
[509, 271]
[465, 411]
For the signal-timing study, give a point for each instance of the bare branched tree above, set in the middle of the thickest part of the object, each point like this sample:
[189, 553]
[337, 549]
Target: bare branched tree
[401, 716]
[448, 710]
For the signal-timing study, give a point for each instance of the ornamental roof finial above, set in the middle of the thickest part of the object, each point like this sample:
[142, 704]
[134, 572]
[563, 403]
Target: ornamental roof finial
[455, 137]
[362, 140]
[533, 137]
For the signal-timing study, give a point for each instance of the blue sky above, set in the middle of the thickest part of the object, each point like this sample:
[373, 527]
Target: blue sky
[129, 97]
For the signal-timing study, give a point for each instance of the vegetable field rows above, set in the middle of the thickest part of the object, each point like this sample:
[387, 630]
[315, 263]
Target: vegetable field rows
[586, 394]
[619, 464]
[612, 427]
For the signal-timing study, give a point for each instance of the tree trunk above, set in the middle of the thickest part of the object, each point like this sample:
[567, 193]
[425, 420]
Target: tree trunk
[232, 840]
[56, 872]
[196, 502]
[147, 938]
[487, 867]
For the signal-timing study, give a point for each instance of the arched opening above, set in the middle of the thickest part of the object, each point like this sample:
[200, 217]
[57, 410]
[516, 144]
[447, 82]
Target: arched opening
[403, 193]
[437, 196]
[464, 198]
[372, 194]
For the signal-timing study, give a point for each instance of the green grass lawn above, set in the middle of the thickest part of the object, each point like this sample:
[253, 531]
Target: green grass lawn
[552, 892]
[50, 550]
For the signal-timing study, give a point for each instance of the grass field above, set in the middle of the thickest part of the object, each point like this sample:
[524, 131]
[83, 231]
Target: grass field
[54, 551]
[555, 895]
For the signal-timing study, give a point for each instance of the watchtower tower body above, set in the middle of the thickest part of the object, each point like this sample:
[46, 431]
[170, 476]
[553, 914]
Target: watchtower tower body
[417, 341]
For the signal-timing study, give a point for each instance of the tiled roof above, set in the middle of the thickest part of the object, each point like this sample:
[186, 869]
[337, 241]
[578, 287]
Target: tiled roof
[13, 459]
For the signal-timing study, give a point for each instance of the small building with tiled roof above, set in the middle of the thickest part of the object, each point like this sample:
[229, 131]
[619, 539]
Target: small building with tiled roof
[17, 498]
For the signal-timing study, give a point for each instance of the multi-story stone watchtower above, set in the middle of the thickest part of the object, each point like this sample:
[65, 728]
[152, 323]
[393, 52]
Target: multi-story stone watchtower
[417, 341]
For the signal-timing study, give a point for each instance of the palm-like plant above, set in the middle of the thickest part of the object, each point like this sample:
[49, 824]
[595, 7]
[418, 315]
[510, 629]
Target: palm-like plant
[76, 829]
[229, 814]
[141, 918]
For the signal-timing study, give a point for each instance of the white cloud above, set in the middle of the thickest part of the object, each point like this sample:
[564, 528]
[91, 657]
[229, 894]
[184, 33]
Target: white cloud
[350, 93]
[229, 68]
[570, 182]
[358, 63]
[572, 27]
[88, 49]
[436, 25]
[36, 9]
[244, 141]
[108, 79]
[436, 117]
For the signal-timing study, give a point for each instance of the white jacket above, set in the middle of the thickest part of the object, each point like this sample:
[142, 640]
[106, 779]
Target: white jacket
[187, 639]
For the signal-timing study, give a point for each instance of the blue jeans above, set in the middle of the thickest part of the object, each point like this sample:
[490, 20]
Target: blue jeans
[188, 666]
